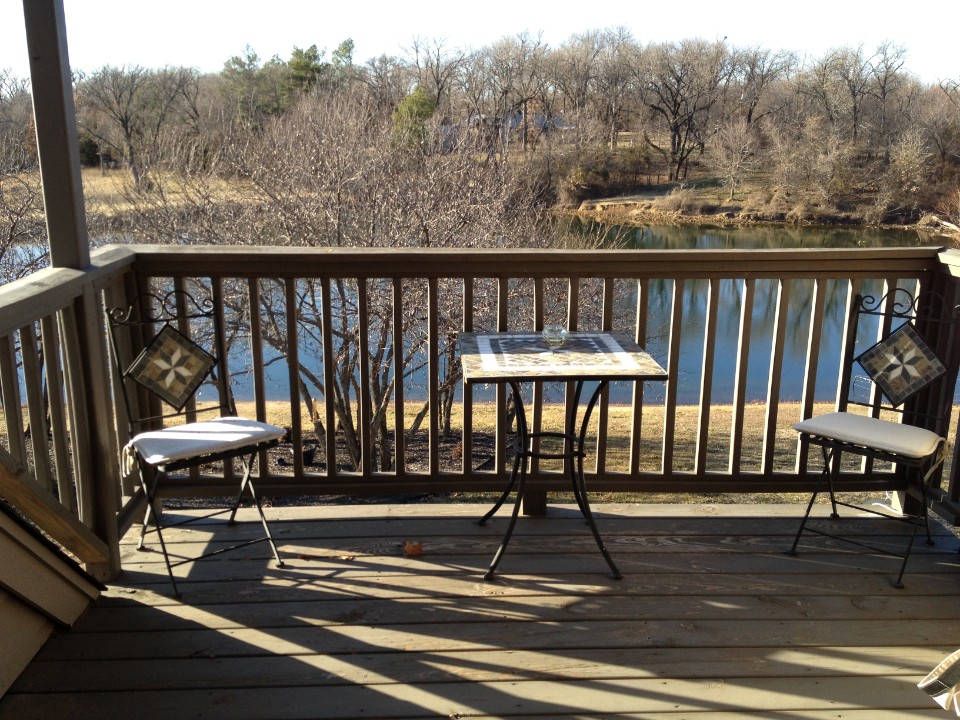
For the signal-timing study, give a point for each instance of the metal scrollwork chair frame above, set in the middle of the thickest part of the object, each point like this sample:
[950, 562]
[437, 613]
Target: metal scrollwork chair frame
[159, 370]
[913, 368]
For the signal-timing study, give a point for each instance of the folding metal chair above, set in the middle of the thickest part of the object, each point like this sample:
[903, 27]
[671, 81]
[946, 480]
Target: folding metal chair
[167, 429]
[912, 366]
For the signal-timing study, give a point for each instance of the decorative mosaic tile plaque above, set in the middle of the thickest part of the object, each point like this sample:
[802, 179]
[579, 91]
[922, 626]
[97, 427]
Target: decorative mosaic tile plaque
[172, 366]
[901, 364]
[491, 357]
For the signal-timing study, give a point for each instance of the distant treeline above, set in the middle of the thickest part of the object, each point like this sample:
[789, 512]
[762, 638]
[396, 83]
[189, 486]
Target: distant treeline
[600, 114]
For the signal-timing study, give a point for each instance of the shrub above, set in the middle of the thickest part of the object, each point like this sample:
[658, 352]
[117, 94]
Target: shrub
[681, 200]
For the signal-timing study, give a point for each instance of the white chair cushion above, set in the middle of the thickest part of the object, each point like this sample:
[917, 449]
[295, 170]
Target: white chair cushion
[892, 437]
[157, 447]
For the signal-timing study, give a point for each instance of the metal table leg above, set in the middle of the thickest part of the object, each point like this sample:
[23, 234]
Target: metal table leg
[577, 478]
[574, 440]
[518, 477]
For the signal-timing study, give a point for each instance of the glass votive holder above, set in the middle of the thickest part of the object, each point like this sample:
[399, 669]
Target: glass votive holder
[554, 335]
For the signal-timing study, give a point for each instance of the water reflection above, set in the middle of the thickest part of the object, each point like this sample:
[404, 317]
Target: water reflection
[696, 298]
[751, 237]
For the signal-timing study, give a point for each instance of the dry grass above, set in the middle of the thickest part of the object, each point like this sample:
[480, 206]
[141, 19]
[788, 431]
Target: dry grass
[110, 193]
[687, 420]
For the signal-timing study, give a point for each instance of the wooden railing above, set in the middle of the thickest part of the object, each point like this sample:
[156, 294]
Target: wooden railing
[310, 340]
[59, 466]
[502, 290]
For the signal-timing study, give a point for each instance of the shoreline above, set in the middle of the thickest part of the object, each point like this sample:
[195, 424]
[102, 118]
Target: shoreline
[632, 210]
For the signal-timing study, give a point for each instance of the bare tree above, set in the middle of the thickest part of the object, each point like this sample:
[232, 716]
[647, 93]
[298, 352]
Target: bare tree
[436, 66]
[854, 74]
[758, 71]
[683, 86]
[938, 115]
[614, 80]
[818, 84]
[388, 81]
[126, 110]
[735, 150]
[16, 141]
[889, 80]
[515, 71]
[22, 228]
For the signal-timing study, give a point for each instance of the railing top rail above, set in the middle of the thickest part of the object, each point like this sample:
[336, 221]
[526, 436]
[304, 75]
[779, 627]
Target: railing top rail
[246, 261]
[46, 291]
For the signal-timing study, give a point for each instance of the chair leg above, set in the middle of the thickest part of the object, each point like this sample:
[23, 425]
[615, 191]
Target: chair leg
[925, 516]
[831, 464]
[243, 487]
[825, 476]
[803, 521]
[149, 490]
[247, 484]
[898, 583]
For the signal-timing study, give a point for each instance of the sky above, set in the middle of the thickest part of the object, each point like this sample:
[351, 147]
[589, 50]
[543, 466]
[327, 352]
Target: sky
[205, 33]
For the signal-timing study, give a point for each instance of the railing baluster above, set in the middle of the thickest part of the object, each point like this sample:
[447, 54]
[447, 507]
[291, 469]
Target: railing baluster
[673, 371]
[603, 410]
[364, 414]
[292, 332]
[636, 409]
[740, 381]
[501, 453]
[573, 319]
[220, 325]
[399, 412]
[466, 461]
[256, 359]
[329, 394]
[36, 412]
[537, 410]
[116, 295]
[433, 373]
[854, 288]
[58, 424]
[80, 441]
[774, 378]
[183, 325]
[811, 364]
[12, 404]
[706, 377]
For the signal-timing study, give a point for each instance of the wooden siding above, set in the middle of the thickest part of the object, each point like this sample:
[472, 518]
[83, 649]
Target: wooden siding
[25, 630]
[39, 591]
[712, 621]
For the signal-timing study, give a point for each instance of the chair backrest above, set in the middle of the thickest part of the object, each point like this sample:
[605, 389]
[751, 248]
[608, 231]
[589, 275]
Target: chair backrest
[161, 350]
[903, 354]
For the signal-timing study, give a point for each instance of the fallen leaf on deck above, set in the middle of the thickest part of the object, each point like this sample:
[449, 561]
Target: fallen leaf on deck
[412, 549]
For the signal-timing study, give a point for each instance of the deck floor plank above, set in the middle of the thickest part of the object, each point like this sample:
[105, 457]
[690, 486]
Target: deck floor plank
[712, 621]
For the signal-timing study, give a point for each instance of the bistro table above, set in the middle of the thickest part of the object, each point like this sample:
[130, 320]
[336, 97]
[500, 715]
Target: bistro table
[512, 358]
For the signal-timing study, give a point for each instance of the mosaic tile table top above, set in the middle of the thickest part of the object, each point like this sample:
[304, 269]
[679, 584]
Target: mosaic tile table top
[493, 357]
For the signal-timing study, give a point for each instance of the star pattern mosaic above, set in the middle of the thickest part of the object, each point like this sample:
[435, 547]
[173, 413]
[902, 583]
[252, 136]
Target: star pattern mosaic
[901, 364]
[172, 366]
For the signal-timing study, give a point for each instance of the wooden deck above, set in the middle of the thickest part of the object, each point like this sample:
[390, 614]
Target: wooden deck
[711, 621]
